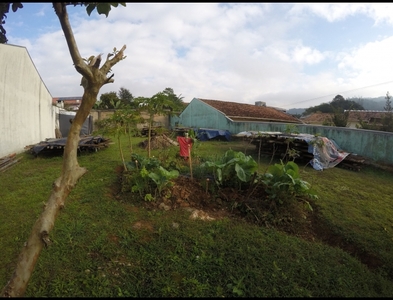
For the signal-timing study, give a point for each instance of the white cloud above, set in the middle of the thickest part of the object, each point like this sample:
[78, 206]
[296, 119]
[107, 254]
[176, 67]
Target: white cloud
[307, 55]
[296, 53]
[368, 65]
[331, 11]
[236, 52]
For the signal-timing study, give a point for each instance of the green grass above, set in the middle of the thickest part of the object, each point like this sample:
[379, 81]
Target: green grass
[358, 207]
[105, 247]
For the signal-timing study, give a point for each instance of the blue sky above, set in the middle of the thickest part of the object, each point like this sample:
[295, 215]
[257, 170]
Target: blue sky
[290, 55]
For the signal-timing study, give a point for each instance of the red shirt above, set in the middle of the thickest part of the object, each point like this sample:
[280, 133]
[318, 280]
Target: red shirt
[184, 143]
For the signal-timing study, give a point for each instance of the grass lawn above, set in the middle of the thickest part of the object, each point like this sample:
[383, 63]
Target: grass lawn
[106, 244]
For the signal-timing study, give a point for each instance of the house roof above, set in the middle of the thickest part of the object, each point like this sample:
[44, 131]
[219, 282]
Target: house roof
[243, 111]
[365, 115]
[317, 118]
[354, 116]
[67, 99]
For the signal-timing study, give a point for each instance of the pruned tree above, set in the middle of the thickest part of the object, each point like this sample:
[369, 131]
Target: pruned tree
[94, 76]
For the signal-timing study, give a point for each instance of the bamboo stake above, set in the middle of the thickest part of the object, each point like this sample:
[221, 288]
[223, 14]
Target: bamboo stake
[189, 156]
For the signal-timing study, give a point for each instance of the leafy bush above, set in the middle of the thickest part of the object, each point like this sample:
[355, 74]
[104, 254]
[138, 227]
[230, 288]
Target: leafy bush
[139, 161]
[283, 184]
[162, 178]
[233, 169]
[147, 177]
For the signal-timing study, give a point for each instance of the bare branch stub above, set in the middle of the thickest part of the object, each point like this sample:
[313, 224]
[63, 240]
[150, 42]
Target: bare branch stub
[45, 239]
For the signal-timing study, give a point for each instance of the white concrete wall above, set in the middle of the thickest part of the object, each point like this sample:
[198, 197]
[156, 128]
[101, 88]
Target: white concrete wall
[26, 112]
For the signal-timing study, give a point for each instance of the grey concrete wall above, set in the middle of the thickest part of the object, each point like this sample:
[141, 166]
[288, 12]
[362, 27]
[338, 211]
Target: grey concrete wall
[376, 145]
[26, 112]
[101, 114]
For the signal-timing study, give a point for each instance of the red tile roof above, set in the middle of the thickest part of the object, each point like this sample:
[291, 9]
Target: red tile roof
[68, 100]
[366, 115]
[244, 112]
[317, 118]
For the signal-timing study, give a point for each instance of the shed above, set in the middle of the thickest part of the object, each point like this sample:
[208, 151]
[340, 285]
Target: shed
[65, 120]
[226, 115]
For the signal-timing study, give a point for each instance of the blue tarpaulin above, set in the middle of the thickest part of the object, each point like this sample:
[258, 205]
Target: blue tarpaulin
[205, 134]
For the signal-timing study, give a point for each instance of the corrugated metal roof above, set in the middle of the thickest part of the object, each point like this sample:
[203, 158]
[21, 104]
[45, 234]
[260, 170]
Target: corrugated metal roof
[68, 98]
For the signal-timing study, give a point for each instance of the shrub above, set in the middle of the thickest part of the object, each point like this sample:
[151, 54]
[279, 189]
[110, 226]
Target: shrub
[147, 177]
[233, 169]
[283, 185]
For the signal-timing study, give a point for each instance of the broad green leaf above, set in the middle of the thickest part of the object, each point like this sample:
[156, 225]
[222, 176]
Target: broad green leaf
[90, 8]
[240, 173]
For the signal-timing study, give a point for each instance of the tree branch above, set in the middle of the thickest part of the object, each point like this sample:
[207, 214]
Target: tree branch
[109, 63]
[61, 12]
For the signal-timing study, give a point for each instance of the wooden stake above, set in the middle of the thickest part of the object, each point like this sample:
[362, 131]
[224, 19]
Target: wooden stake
[189, 156]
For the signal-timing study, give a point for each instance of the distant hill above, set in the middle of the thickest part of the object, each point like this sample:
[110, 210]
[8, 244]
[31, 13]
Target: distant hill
[371, 103]
[368, 104]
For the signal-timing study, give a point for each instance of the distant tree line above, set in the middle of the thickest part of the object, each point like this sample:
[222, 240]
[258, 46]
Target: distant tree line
[128, 111]
[124, 99]
[339, 109]
[337, 104]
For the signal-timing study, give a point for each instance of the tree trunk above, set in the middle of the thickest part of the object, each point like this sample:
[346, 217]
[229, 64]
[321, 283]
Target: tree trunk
[39, 236]
[93, 79]
[121, 153]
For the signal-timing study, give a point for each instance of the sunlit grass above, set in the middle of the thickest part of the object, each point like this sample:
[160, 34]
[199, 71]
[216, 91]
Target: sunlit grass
[104, 247]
